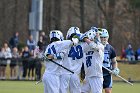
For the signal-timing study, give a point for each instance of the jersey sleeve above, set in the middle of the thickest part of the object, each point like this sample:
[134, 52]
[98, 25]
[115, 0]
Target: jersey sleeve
[48, 50]
[85, 47]
[58, 46]
[113, 53]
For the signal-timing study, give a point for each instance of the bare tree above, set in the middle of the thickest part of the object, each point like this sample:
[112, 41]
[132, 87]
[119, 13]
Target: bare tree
[57, 13]
[107, 7]
[82, 16]
[135, 8]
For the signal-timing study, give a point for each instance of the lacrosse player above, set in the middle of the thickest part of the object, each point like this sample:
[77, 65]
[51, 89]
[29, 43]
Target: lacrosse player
[71, 82]
[54, 51]
[93, 63]
[109, 62]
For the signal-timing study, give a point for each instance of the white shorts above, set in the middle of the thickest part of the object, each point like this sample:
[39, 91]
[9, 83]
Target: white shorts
[51, 83]
[64, 83]
[75, 86]
[92, 85]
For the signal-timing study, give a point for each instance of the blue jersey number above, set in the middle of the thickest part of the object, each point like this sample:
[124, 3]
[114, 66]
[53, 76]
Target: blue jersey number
[88, 61]
[76, 52]
[52, 49]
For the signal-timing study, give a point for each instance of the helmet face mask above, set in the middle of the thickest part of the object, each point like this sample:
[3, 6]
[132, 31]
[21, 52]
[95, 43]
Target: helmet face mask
[72, 31]
[104, 40]
[104, 36]
[56, 35]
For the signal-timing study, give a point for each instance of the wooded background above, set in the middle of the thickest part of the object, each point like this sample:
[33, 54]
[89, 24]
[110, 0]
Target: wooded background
[120, 17]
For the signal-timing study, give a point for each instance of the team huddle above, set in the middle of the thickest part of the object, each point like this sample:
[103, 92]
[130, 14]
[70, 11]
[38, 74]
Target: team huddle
[91, 49]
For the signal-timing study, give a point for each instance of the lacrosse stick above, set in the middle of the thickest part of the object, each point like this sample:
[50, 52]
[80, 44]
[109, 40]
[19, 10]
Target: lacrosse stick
[61, 66]
[38, 82]
[37, 51]
[58, 65]
[119, 76]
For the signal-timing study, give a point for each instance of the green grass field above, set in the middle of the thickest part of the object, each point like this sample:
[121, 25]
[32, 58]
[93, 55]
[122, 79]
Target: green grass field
[129, 71]
[20, 87]
[126, 71]
[30, 87]
[126, 88]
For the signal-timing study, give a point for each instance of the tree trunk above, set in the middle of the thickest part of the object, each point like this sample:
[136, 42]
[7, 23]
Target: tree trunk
[57, 13]
[110, 18]
[82, 15]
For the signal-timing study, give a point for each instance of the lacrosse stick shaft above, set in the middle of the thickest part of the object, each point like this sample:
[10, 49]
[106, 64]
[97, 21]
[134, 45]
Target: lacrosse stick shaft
[38, 82]
[58, 65]
[118, 76]
[62, 66]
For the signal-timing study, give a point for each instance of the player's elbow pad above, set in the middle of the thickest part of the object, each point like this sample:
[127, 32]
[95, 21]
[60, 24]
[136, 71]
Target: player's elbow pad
[59, 55]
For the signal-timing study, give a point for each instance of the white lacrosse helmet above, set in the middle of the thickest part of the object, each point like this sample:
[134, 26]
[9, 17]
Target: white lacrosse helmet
[56, 33]
[94, 28]
[100, 31]
[104, 33]
[91, 34]
[71, 31]
[97, 30]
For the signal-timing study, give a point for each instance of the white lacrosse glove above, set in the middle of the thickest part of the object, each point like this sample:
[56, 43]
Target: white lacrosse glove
[75, 41]
[115, 71]
[59, 55]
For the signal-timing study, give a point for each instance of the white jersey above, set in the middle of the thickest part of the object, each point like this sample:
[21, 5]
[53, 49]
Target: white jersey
[76, 56]
[53, 48]
[73, 61]
[94, 61]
